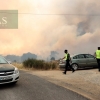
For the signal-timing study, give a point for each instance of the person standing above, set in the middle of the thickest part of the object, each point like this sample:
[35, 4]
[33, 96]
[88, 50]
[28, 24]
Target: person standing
[97, 54]
[67, 58]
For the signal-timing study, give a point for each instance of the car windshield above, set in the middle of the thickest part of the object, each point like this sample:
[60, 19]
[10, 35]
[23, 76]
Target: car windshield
[2, 60]
[72, 55]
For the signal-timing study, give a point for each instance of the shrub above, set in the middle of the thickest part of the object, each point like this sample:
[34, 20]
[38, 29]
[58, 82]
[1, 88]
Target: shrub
[39, 64]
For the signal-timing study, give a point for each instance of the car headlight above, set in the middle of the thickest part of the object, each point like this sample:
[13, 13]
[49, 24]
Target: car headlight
[16, 71]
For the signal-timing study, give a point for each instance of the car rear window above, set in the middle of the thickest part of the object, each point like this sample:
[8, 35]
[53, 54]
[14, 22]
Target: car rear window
[89, 56]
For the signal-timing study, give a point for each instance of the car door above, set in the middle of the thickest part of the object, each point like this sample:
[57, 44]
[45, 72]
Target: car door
[80, 60]
[91, 60]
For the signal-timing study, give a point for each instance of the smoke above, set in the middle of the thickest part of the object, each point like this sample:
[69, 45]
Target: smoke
[53, 54]
[66, 24]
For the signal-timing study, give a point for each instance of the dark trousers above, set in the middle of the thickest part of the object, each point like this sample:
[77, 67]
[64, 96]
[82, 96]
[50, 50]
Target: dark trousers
[98, 61]
[68, 65]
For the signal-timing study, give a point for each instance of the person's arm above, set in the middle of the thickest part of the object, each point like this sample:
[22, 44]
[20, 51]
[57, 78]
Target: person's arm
[63, 58]
[69, 57]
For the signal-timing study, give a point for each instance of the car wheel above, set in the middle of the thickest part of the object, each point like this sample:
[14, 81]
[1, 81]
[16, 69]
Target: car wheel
[75, 66]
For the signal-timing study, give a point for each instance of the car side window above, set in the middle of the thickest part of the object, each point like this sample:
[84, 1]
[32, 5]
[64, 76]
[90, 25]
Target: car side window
[75, 57]
[81, 56]
[89, 56]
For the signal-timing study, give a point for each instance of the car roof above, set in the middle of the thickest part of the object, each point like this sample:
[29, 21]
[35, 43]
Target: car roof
[80, 54]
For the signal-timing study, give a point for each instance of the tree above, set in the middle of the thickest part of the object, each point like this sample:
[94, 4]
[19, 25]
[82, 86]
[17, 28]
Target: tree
[52, 58]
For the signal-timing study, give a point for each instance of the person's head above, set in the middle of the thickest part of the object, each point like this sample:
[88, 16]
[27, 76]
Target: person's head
[98, 48]
[66, 51]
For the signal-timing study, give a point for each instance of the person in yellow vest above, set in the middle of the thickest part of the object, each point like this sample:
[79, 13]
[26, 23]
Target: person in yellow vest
[97, 54]
[67, 58]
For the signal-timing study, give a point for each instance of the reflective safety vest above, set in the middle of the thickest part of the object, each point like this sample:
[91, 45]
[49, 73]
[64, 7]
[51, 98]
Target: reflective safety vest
[98, 54]
[66, 56]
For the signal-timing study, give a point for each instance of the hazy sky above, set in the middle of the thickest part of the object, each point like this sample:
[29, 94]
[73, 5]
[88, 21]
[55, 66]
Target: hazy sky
[46, 27]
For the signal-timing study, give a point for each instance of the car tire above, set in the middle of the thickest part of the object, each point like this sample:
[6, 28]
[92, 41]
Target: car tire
[75, 66]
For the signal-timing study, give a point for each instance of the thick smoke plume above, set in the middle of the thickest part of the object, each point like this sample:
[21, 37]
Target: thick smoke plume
[52, 25]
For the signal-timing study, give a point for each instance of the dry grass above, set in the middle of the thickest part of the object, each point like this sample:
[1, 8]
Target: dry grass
[18, 65]
[40, 64]
[32, 64]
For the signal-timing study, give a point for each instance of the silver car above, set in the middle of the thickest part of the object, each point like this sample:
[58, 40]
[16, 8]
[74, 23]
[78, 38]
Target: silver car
[8, 72]
[80, 61]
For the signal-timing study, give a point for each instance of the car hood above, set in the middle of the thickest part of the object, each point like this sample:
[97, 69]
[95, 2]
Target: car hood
[6, 67]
